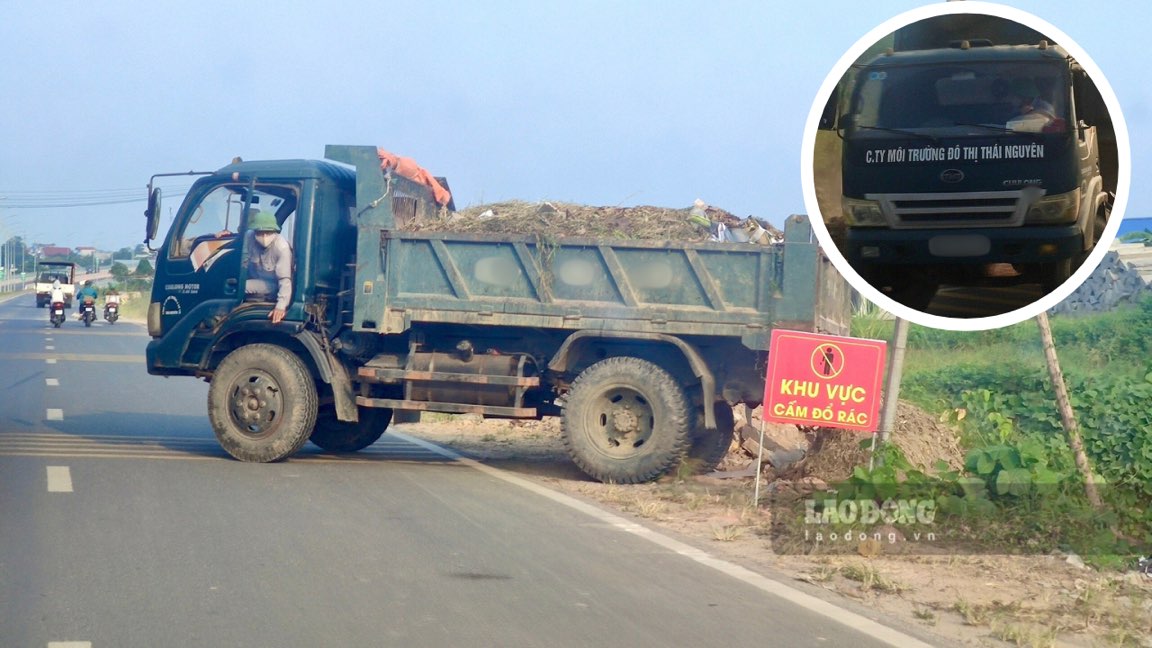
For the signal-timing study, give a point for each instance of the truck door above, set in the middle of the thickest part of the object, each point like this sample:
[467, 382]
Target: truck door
[202, 273]
[202, 264]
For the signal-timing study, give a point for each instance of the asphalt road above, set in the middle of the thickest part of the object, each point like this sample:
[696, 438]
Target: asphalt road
[123, 524]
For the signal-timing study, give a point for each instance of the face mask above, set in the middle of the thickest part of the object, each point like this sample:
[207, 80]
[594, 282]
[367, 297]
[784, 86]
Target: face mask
[265, 238]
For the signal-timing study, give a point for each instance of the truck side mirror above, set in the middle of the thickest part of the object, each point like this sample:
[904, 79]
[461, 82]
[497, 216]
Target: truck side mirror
[152, 215]
[829, 119]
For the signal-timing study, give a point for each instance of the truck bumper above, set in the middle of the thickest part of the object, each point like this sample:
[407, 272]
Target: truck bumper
[1017, 245]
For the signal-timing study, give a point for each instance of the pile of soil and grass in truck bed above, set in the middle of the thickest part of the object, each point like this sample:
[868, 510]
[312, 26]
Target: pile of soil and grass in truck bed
[701, 223]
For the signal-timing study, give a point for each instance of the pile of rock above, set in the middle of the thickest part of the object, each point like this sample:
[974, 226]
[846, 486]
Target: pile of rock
[1114, 282]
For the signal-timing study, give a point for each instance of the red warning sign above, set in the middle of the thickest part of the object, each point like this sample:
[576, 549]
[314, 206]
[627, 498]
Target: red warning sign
[824, 380]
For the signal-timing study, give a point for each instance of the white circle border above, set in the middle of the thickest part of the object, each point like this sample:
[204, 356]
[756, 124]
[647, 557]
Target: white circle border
[1123, 153]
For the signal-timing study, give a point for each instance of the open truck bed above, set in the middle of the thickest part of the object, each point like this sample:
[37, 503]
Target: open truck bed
[736, 290]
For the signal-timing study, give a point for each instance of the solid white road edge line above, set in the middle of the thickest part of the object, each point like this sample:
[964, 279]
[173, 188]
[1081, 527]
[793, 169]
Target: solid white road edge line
[813, 604]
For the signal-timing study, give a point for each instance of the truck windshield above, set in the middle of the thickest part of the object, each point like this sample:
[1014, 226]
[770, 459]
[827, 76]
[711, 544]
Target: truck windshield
[968, 99]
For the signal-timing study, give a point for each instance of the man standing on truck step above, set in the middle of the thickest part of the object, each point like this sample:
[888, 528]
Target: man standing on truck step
[269, 263]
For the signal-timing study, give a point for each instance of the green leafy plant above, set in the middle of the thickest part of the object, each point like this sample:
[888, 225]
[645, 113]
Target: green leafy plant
[1015, 470]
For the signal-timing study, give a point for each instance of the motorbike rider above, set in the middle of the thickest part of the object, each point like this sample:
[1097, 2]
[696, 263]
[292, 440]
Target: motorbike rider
[111, 298]
[56, 298]
[57, 295]
[88, 291]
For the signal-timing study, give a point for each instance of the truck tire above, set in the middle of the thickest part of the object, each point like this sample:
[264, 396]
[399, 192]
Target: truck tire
[1055, 273]
[335, 435]
[626, 421]
[709, 447]
[262, 403]
[913, 294]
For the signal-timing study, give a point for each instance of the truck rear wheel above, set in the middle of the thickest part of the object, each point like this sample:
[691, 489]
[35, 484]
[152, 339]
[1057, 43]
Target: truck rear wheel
[626, 421]
[262, 403]
[710, 446]
[335, 435]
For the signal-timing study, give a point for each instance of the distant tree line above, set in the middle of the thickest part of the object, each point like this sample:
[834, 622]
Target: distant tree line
[139, 279]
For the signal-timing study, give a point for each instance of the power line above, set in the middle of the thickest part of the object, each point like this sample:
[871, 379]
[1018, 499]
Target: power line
[61, 205]
[78, 198]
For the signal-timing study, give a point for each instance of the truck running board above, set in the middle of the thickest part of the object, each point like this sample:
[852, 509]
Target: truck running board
[451, 408]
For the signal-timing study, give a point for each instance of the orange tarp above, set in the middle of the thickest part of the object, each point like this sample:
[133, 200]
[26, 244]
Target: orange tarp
[408, 168]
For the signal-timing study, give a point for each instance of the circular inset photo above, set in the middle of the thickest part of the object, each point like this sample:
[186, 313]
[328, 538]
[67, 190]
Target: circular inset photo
[969, 165]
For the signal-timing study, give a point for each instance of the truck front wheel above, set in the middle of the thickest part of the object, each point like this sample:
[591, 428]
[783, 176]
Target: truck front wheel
[626, 421]
[262, 403]
[335, 435]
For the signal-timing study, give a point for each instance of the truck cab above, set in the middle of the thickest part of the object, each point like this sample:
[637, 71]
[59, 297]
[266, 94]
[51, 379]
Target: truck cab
[969, 154]
[203, 263]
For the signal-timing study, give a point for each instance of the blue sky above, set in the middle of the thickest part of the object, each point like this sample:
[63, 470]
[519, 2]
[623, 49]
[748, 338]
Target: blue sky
[595, 102]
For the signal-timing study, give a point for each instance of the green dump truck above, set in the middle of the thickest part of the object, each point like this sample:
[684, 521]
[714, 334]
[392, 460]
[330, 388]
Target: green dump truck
[640, 346]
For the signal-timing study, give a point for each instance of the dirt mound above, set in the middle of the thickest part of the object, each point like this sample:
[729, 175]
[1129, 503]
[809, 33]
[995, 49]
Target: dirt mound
[833, 453]
[569, 219]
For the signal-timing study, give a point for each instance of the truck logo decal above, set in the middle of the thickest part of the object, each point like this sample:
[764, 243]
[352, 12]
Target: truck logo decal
[171, 306]
[952, 175]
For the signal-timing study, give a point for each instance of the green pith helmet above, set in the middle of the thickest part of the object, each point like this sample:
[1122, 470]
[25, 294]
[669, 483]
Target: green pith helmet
[263, 222]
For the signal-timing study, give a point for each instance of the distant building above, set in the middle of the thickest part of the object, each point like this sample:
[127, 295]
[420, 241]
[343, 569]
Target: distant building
[55, 252]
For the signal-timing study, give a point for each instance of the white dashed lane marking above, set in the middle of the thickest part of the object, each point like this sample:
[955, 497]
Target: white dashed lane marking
[51, 382]
[54, 414]
[69, 644]
[59, 479]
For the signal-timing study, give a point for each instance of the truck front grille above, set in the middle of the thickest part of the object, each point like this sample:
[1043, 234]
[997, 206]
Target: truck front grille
[954, 210]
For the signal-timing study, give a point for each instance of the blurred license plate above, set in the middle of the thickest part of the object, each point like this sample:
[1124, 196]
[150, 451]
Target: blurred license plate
[959, 245]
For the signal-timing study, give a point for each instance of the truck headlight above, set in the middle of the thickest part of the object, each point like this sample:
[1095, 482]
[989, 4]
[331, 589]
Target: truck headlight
[154, 319]
[863, 213]
[1060, 208]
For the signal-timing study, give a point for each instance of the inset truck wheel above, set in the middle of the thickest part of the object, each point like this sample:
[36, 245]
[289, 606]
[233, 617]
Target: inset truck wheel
[262, 403]
[914, 294]
[626, 421]
[1052, 275]
[335, 435]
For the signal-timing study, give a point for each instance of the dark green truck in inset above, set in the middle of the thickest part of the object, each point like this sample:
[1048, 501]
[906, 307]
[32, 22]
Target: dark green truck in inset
[972, 143]
[640, 346]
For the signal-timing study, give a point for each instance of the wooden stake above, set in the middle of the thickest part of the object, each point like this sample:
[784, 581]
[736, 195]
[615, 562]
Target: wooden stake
[1067, 416]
